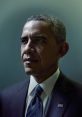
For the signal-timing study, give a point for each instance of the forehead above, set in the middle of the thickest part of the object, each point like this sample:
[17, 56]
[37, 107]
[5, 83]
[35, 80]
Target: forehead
[36, 27]
[35, 24]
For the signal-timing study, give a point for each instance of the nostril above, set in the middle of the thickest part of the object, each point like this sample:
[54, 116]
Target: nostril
[29, 50]
[32, 49]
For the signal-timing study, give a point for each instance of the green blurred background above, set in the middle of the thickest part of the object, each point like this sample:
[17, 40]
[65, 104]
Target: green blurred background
[13, 15]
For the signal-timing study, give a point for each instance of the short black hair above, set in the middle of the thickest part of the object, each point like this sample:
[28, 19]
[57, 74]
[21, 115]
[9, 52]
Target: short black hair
[57, 25]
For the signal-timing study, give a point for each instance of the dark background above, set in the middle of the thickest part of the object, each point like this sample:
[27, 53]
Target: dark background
[13, 15]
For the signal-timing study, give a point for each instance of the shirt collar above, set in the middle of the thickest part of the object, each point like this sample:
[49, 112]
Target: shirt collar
[32, 84]
[47, 85]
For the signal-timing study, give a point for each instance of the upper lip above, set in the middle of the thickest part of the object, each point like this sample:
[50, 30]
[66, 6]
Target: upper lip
[29, 59]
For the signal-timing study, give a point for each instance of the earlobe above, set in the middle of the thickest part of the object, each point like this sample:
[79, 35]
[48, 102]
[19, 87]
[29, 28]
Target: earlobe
[64, 47]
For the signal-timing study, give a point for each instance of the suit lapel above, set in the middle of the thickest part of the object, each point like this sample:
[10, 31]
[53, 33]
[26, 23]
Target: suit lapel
[20, 102]
[59, 100]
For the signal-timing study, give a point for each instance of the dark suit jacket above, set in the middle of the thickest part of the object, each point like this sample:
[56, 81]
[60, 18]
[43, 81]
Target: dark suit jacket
[65, 101]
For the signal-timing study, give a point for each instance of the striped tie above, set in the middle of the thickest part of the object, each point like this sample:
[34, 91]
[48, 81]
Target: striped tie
[35, 108]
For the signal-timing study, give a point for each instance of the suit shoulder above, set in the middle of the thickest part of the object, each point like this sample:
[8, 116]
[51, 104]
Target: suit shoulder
[69, 86]
[73, 86]
[14, 89]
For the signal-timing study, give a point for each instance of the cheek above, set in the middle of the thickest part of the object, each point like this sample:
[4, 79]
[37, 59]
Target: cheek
[39, 49]
[49, 55]
[21, 52]
[41, 53]
[43, 56]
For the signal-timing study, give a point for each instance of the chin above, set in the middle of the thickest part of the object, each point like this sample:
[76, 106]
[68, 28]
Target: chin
[29, 71]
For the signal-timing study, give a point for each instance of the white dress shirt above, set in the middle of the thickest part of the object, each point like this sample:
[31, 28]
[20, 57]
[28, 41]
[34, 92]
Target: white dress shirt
[47, 87]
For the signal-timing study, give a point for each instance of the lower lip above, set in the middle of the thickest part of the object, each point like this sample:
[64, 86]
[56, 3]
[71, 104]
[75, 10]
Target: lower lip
[30, 62]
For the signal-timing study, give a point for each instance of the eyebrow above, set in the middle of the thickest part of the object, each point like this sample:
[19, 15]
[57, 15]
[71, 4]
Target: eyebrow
[39, 36]
[34, 35]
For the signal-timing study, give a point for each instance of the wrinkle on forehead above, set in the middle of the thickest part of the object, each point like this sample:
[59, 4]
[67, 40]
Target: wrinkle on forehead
[36, 28]
[42, 25]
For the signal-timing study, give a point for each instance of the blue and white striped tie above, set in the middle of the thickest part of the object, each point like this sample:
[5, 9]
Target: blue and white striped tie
[35, 108]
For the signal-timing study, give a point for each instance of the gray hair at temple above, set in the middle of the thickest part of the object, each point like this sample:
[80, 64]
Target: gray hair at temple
[54, 23]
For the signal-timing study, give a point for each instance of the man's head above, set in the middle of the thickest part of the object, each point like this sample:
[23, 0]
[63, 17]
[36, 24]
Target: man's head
[43, 43]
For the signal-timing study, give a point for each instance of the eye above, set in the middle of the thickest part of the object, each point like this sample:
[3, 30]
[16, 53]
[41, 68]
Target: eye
[24, 40]
[39, 39]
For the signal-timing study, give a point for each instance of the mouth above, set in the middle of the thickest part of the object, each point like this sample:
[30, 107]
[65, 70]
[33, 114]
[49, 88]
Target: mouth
[29, 60]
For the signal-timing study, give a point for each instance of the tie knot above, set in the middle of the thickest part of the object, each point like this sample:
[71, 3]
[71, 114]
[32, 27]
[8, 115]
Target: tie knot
[38, 90]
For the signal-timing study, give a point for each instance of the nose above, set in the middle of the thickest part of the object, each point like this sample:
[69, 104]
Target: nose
[29, 47]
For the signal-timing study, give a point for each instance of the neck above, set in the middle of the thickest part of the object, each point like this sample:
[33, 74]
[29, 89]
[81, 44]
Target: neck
[44, 75]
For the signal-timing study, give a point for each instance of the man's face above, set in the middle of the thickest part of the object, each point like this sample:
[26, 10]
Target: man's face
[39, 49]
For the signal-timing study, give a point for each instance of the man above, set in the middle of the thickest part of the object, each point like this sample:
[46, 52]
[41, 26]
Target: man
[43, 43]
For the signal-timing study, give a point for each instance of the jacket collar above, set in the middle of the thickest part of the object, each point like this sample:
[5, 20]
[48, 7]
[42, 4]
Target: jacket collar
[60, 99]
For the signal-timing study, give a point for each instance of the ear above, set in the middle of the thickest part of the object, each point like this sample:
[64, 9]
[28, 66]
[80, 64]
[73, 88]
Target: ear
[64, 47]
